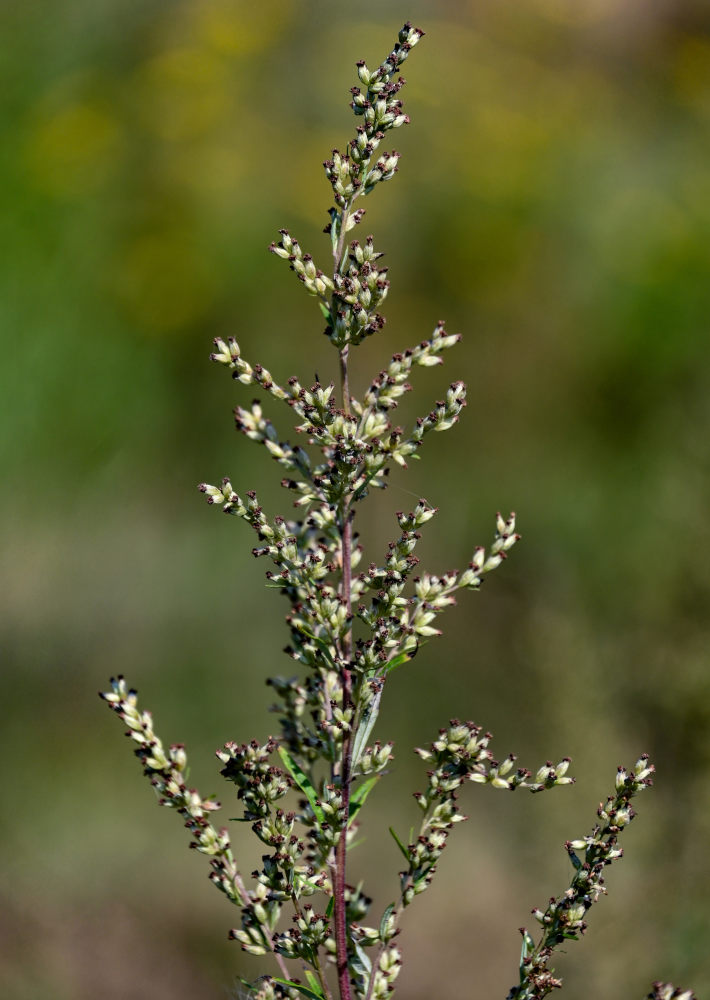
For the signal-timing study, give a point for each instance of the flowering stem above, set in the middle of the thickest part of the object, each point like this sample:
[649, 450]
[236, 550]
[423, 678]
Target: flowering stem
[280, 962]
[327, 719]
[340, 863]
[243, 894]
[316, 959]
[339, 255]
[339, 904]
[339, 867]
[344, 381]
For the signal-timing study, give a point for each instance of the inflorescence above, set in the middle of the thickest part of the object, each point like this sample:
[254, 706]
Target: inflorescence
[350, 626]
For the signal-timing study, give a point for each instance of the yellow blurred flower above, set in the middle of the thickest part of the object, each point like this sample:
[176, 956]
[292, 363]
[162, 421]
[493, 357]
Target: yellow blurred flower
[74, 148]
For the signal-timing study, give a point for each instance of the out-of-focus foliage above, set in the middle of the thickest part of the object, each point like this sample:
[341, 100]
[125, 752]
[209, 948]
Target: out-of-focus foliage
[554, 206]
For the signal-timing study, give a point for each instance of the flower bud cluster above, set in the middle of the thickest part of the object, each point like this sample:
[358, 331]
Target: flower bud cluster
[312, 930]
[282, 545]
[358, 903]
[356, 296]
[260, 783]
[460, 754]
[267, 988]
[667, 991]
[323, 837]
[360, 288]
[385, 612]
[261, 907]
[166, 771]
[285, 873]
[253, 425]
[295, 701]
[379, 105]
[342, 172]
[400, 622]
[379, 453]
[565, 917]
[381, 110]
[357, 287]
[375, 758]
[260, 917]
[392, 382]
[251, 935]
[387, 969]
[385, 168]
[229, 354]
[371, 465]
[314, 280]
[310, 933]
[357, 449]
[304, 561]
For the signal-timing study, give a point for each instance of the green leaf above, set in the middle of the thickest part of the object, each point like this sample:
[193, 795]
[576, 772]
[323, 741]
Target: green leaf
[576, 863]
[313, 982]
[528, 947]
[383, 923]
[329, 907]
[400, 845]
[397, 661]
[334, 230]
[301, 779]
[363, 959]
[320, 643]
[367, 724]
[325, 310]
[301, 989]
[357, 799]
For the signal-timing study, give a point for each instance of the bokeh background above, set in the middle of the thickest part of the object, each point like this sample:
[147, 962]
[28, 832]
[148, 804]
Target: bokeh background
[553, 204]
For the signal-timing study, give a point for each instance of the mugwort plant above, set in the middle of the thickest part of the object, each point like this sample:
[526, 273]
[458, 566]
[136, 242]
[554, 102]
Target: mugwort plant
[350, 626]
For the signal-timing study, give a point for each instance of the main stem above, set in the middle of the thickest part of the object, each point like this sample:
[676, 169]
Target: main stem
[339, 867]
[346, 541]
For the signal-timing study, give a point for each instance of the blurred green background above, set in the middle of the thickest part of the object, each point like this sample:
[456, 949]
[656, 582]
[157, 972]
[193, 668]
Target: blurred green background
[553, 204]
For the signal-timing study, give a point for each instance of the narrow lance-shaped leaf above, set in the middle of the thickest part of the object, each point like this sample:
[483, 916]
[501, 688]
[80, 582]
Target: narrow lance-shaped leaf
[367, 724]
[400, 845]
[359, 796]
[304, 990]
[303, 782]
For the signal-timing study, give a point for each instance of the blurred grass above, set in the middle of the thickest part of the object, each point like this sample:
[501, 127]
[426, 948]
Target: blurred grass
[553, 205]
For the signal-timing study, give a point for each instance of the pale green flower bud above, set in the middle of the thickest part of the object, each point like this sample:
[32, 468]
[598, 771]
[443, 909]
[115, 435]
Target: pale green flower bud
[479, 558]
[363, 73]
[623, 817]
[643, 769]
[429, 360]
[469, 579]
[575, 915]
[213, 493]
[498, 782]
